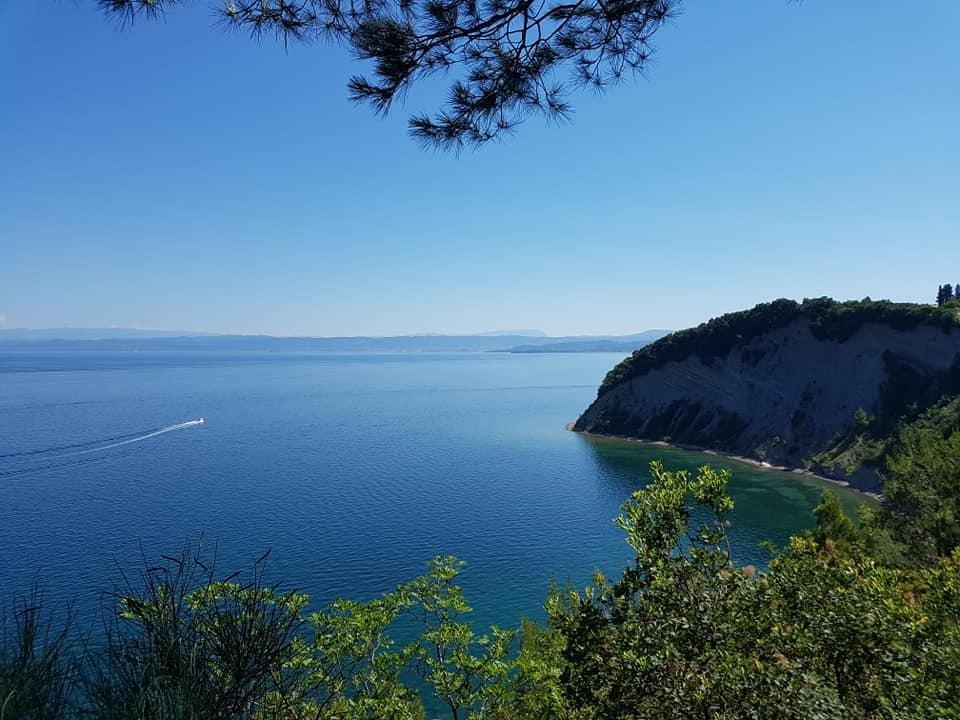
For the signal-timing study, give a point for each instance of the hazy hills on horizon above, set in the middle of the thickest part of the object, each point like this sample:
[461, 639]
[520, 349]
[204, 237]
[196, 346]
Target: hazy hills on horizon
[71, 333]
[524, 341]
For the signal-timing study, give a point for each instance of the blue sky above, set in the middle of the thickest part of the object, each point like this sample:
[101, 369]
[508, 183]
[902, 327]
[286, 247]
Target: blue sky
[175, 176]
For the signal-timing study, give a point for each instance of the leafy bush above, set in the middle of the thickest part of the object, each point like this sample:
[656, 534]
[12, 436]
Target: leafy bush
[189, 645]
[922, 494]
[825, 632]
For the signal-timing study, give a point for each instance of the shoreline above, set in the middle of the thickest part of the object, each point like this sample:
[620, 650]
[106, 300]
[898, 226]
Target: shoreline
[752, 462]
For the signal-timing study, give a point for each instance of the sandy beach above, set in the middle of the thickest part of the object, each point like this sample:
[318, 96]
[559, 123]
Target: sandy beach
[877, 497]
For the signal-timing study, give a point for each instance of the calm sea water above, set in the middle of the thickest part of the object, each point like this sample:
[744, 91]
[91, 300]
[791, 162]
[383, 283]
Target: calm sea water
[353, 470]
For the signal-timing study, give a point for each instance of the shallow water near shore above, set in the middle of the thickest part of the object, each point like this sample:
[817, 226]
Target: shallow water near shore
[353, 470]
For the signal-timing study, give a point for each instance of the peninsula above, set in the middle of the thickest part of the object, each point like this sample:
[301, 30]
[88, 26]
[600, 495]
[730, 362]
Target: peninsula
[821, 385]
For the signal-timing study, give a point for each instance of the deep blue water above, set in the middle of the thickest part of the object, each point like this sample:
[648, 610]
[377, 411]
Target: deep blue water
[353, 470]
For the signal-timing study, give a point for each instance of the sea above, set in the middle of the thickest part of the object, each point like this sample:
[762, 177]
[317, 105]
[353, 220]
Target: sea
[351, 470]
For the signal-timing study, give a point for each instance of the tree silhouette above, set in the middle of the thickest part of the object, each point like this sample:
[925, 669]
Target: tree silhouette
[512, 58]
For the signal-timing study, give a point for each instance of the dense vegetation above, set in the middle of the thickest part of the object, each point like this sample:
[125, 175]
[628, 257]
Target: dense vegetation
[828, 319]
[947, 293]
[871, 440]
[851, 620]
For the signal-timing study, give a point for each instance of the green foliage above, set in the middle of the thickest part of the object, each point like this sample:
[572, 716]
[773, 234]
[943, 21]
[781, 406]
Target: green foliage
[346, 666]
[189, 645]
[919, 521]
[825, 632]
[349, 667]
[838, 321]
[863, 634]
[870, 444]
[832, 523]
[922, 494]
[38, 666]
[857, 447]
[829, 320]
[866, 537]
[946, 294]
[657, 517]
[456, 664]
[943, 417]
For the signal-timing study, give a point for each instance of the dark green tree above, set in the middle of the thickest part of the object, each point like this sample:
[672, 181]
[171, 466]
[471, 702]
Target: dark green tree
[921, 508]
[941, 295]
[832, 523]
[509, 58]
[824, 632]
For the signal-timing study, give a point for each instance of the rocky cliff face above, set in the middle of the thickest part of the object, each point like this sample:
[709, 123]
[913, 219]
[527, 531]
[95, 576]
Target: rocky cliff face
[783, 395]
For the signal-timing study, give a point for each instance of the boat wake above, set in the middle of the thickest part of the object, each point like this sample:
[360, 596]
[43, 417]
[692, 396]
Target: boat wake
[30, 461]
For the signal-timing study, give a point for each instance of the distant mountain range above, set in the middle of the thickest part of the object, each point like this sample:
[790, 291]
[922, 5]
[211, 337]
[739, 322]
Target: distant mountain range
[28, 334]
[619, 344]
[129, 339]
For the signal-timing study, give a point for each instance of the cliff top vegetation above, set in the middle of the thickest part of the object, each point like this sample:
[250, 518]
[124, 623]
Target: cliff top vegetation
[829, 320]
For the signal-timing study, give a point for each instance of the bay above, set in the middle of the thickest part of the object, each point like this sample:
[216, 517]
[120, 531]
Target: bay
[352, 470]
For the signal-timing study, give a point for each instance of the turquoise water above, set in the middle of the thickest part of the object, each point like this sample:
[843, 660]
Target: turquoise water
[353, 470]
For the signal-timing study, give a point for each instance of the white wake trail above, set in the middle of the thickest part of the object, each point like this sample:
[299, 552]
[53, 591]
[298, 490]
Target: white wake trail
[161, 431]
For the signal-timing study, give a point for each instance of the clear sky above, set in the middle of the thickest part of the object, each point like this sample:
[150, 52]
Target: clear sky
[175, 176]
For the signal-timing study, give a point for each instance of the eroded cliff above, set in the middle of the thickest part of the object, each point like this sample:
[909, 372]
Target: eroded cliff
[785, 381]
